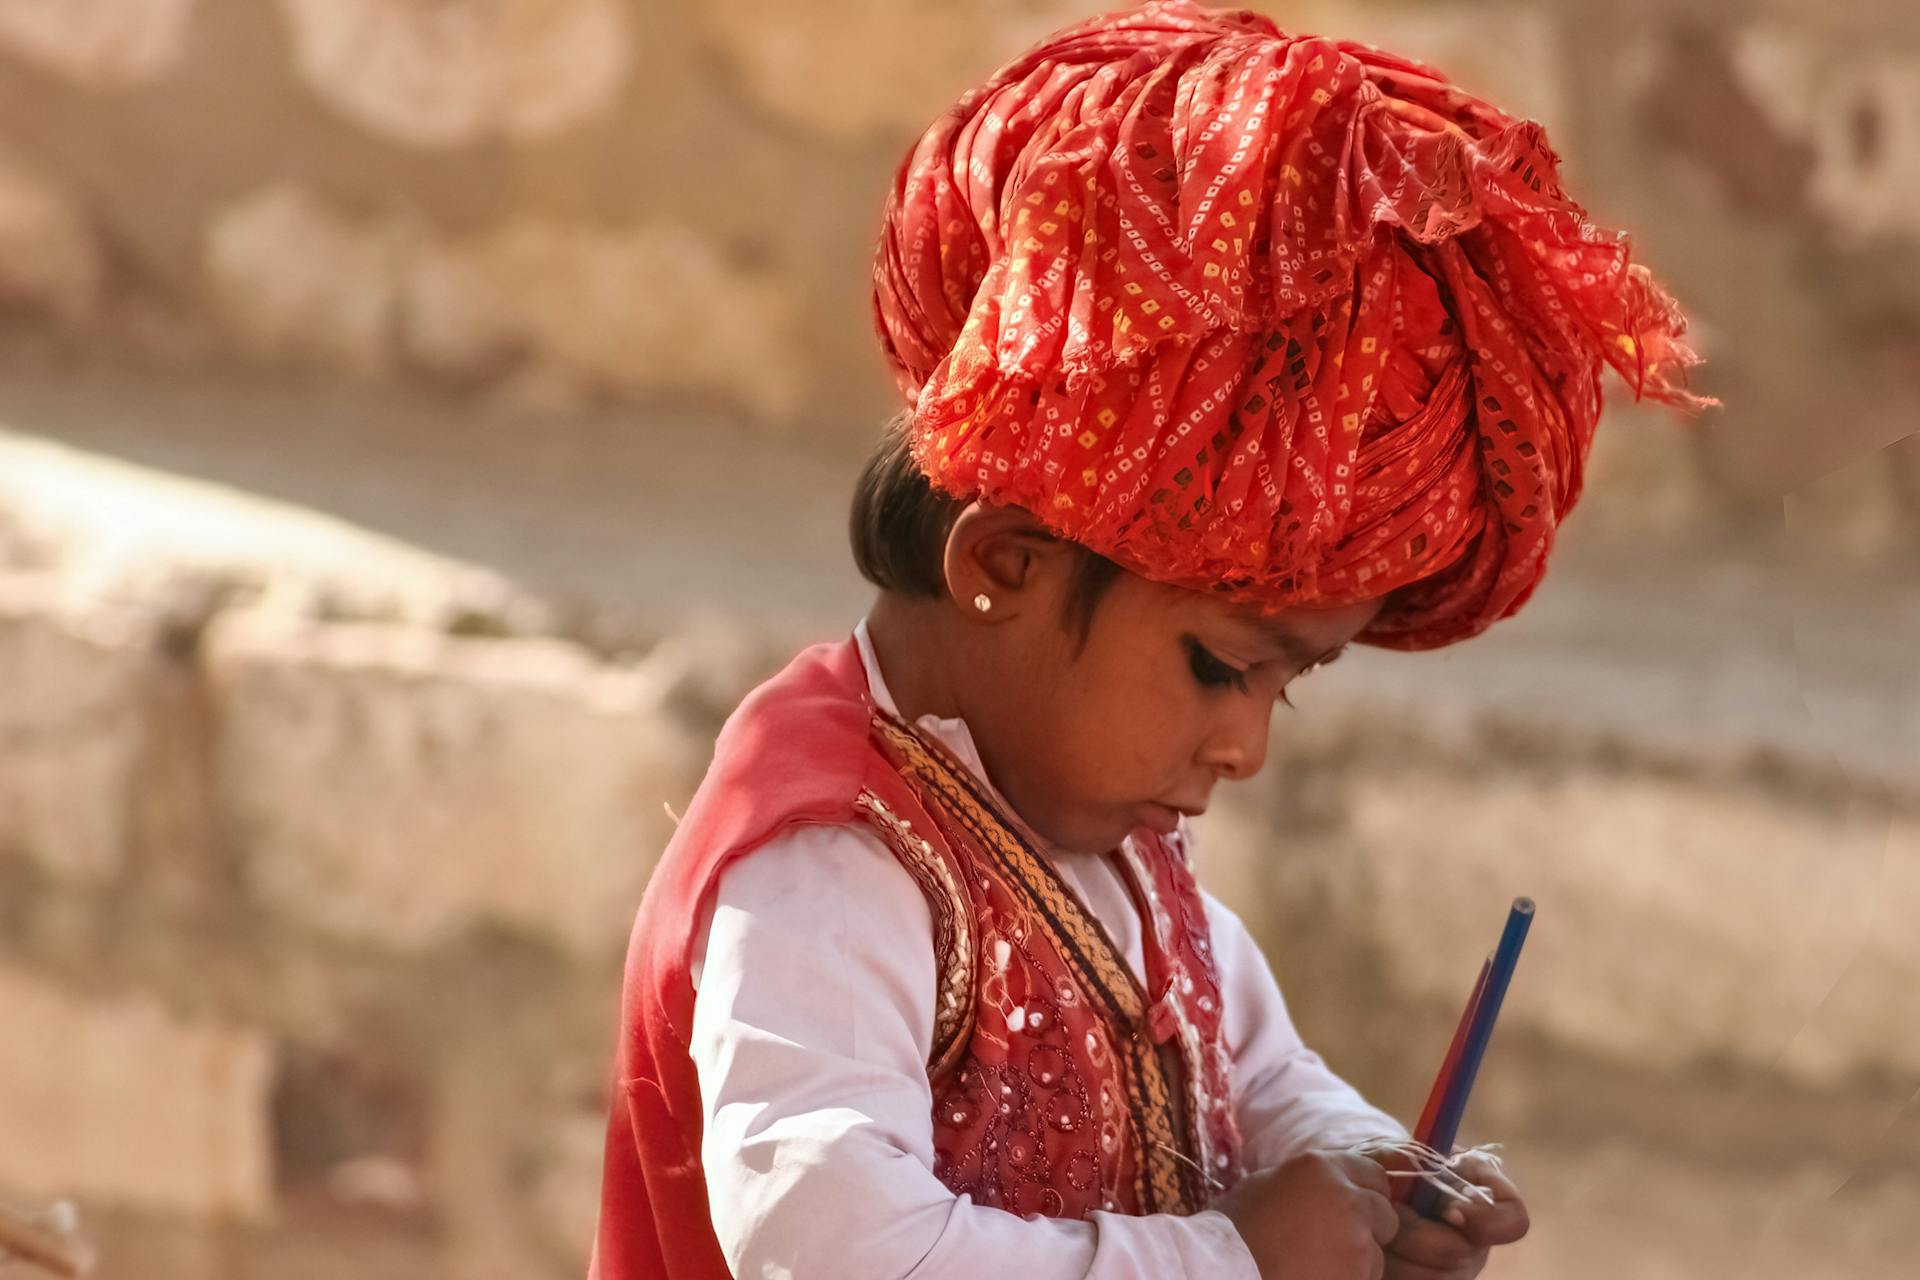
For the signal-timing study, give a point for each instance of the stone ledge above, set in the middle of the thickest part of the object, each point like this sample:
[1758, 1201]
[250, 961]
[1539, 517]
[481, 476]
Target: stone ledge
[1680, 922]
[396, 786]
[121, 1100]
[76, 692]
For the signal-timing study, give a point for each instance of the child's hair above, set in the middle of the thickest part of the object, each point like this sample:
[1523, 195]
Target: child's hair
[900, 524]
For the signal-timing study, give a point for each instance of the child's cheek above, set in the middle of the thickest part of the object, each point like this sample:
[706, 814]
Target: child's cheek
[1122, 735]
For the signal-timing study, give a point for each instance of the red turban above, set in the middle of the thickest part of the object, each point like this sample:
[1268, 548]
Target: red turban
[1281, 317]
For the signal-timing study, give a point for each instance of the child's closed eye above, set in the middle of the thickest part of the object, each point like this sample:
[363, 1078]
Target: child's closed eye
[1210, 671]
[1215, 673]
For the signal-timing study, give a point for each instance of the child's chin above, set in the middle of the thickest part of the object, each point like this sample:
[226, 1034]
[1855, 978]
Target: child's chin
[1096, 838]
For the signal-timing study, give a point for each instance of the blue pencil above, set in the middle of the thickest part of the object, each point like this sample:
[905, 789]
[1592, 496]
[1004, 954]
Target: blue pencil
[1425, 1199]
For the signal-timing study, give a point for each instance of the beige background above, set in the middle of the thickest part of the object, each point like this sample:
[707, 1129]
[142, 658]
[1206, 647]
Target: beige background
[420, 422]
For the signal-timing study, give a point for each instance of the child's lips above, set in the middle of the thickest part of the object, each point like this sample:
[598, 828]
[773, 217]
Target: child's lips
[1165, 818]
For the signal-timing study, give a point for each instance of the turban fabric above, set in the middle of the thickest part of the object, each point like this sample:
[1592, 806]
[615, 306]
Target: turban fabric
[1280, 317]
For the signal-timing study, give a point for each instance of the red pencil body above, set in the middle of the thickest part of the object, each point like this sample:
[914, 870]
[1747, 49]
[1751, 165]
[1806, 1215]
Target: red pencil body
[1424, 1130]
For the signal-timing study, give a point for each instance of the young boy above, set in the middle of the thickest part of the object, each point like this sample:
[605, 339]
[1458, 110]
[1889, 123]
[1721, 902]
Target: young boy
[1225, 349]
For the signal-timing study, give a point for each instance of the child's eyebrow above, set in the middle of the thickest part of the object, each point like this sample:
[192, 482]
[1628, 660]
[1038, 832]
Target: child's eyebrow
[1290, 645]
[1296, 650]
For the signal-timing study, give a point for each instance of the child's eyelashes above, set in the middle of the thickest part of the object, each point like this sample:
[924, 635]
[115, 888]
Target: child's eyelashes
[1210, 671]
[1213, 673]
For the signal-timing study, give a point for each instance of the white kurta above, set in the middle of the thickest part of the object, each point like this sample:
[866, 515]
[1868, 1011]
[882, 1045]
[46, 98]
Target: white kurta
[812, 1025]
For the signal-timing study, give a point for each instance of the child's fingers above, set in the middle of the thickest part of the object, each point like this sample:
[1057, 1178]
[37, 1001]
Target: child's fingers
[1370, 1177]
[1502, 1222]
[1430, 1244]
[1401, 1269]
[1481, 1170]
[1390, 1158]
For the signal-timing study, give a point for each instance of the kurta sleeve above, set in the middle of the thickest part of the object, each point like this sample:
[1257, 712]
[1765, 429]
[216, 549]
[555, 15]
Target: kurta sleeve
[812, 1025]
[1286, 1098]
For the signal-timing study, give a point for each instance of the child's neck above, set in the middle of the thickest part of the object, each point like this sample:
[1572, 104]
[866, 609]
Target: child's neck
[916, 658]
[920, 658]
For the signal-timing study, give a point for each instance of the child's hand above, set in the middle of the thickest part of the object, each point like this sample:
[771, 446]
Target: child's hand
[1450, 1250]
[1323, 1215]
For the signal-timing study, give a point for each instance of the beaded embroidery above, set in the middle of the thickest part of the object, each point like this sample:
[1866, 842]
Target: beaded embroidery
[1059, 1087]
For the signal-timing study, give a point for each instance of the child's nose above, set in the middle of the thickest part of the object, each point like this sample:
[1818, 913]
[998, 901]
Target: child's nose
[1238, 746]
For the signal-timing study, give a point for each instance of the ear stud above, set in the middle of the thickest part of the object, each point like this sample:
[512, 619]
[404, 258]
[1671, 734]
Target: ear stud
[982, 603]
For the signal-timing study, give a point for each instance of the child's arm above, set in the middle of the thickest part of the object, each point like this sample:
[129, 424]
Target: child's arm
[1288, 1101]
[1286, 1098]
[811, 1031]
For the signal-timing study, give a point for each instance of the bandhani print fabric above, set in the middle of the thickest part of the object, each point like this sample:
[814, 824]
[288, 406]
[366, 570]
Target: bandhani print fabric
[1287, 318]
[1061, 1085]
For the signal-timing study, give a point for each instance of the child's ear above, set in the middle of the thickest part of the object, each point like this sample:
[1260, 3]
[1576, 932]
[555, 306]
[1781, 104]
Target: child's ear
[1004, 555]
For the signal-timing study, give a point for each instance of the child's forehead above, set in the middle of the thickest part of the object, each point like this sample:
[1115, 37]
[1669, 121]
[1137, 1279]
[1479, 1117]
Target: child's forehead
[1297, 634]
[1304, 636]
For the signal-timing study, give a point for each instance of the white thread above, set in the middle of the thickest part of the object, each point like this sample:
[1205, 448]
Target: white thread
[1430, 1165]
[1213, 1183]
[1435, 1169]
[51, 1240]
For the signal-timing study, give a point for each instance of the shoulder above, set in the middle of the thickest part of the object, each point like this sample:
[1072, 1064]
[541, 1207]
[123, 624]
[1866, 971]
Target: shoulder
[821, 938]
[809, 865]
[817, 887]
[1228, 931]
[794, 753]
[817, 703]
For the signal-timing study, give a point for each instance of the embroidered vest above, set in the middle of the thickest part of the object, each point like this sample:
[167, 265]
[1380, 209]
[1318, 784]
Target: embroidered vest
[1061, 1085]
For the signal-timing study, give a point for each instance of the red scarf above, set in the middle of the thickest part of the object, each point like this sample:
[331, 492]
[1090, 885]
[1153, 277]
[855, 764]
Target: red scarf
[1284, 317]
[1060, 1084]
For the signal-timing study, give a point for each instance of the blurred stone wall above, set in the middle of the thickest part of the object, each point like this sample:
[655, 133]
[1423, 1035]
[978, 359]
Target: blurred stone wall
[311, 933]
[317, 854]
[672, 203]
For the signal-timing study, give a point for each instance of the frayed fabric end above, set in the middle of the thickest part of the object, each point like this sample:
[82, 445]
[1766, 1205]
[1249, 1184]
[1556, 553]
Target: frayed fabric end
[1439, 1171]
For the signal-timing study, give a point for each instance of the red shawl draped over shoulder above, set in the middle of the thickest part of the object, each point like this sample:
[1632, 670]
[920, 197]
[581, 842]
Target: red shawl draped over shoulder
[1061, 1084]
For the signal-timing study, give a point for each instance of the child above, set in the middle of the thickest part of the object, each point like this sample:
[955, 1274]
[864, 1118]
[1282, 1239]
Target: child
[1225, 349]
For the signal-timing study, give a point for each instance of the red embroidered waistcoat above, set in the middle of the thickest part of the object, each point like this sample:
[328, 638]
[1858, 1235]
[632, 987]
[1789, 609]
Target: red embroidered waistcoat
[1060, 1085]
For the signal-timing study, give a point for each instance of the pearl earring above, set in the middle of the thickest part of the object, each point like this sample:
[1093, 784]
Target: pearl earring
[982, 603]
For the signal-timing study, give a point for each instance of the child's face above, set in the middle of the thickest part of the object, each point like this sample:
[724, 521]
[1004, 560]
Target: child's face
[1173, 691]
